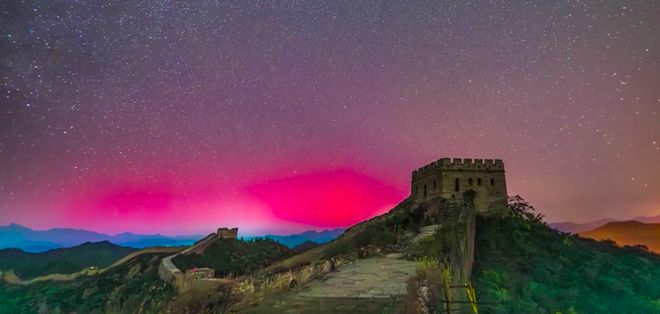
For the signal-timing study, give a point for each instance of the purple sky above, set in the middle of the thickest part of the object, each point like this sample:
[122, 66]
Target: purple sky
[181, 116]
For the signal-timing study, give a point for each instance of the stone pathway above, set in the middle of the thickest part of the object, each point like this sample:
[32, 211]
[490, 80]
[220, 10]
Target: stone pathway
[372, 285]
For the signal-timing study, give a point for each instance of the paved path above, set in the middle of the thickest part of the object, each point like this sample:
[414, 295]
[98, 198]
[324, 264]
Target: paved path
[371, 285]
[380, 277]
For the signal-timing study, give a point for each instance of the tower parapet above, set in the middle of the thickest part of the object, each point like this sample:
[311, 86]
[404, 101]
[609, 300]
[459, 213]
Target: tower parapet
[451, 177]
[226, 233]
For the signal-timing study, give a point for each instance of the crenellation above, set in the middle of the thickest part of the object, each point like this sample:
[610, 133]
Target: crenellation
[459, 164]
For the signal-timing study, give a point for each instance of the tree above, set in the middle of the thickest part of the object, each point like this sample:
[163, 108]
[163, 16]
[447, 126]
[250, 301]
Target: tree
[521, 208]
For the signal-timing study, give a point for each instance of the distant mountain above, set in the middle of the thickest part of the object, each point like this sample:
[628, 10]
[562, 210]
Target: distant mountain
[320, 237]
[29, 265]
[26, 239]
[572, 227]
[29, 240]
[648, 220]
[628, 233]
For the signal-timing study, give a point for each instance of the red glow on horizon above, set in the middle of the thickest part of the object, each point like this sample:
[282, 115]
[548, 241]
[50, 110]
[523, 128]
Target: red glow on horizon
[328, 199]
[335, 198]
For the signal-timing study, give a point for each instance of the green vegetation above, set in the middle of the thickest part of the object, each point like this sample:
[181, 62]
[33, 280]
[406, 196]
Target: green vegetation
[523, 266]
[64, 261]
[385, 233]
[133, 287]
[235, 257]
[439, 245]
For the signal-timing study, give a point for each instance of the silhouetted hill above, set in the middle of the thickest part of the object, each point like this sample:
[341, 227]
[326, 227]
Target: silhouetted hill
[26, 239]
[303, 247]
[628, 233]
[28, 265]
[319, 237]
[572, 227]
[648, 220]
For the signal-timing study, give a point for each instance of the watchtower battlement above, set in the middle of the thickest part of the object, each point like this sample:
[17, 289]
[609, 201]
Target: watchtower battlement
[451, 177]
[226, 233]
[461, 164]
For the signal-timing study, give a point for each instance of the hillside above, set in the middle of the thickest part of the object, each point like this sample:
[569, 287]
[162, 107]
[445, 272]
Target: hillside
[319, 237]
[133, 287]
[523, 266]
[28, 265]
[628, 233]
[304, 247]
[235, 257]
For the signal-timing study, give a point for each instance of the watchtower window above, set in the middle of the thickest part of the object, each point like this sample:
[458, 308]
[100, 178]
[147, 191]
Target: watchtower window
[424, 190]
[470, 181]
[434, 185]
[479, 181]
[457, 185]
[492, 181]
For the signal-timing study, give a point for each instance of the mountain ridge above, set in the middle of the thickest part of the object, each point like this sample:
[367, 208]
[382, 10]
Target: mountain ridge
[629, 232]
[318, 237]
[572, 227]
[36, 241]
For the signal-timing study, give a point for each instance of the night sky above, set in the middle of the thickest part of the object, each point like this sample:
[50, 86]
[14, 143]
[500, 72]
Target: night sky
[281, 116]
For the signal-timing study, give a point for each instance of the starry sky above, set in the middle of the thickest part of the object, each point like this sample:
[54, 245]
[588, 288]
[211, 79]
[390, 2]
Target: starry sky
[280, 116]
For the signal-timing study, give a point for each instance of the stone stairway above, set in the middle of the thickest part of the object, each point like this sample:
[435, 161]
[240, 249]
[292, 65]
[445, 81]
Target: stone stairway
[426, 232]
[453, 214]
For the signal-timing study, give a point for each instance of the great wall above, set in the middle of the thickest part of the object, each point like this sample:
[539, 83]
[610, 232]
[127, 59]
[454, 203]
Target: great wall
[201, 278]
[90, 271]
[474, 186]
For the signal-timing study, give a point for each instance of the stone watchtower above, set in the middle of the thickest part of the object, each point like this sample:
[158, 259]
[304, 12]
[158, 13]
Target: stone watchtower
[449, 179]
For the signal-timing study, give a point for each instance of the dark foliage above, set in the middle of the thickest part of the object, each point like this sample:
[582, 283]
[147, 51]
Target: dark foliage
[133, 287]
[28, 265]
[522, 209]
[525, 267]
[304, 247]
[384, 235]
